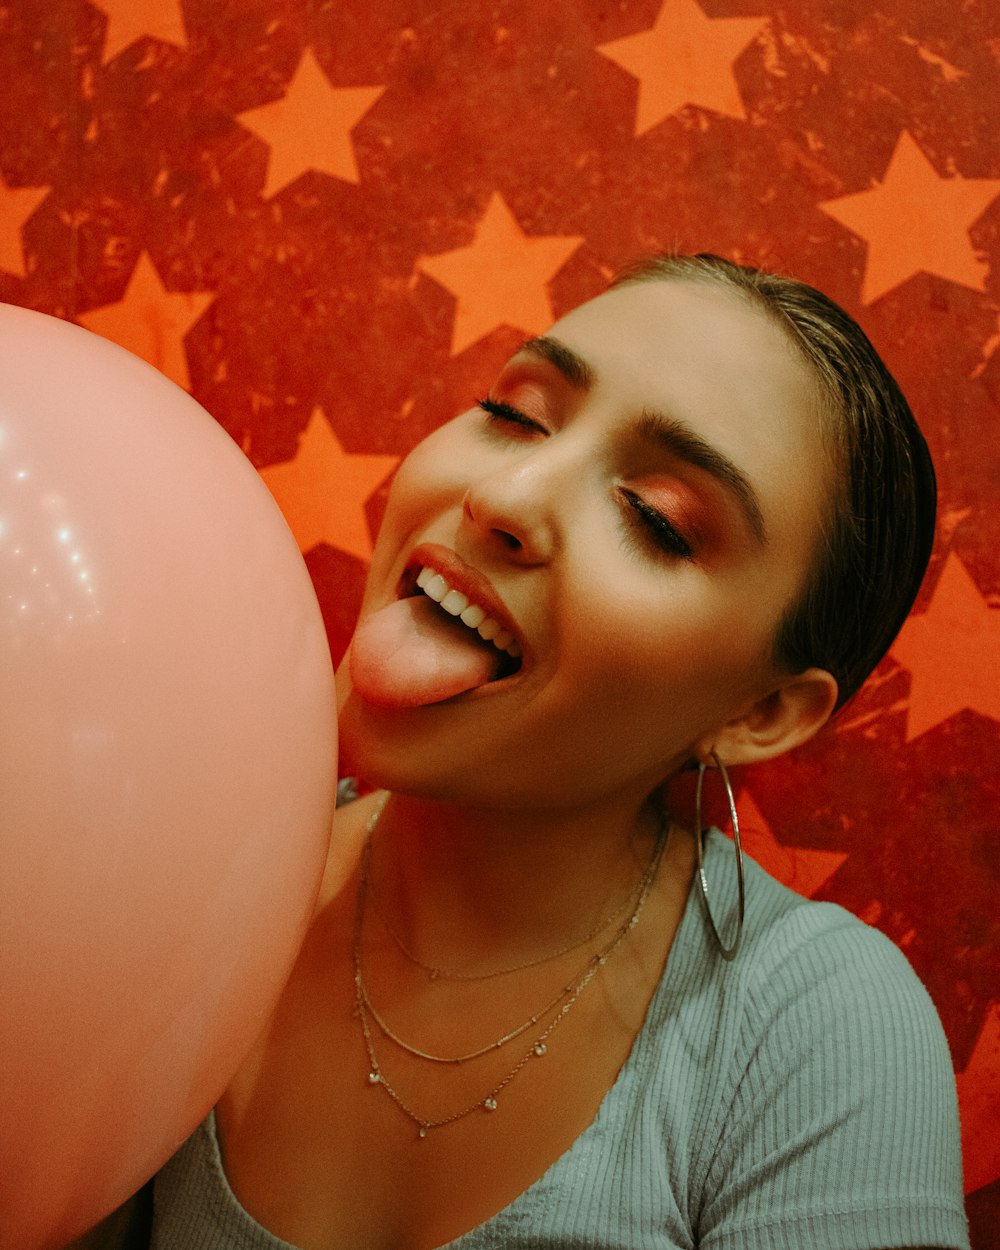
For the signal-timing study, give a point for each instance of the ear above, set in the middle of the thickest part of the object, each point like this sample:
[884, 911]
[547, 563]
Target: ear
[785, 718]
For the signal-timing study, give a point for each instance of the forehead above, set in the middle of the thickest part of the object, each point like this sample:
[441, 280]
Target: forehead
[700, 351]
[691, 341]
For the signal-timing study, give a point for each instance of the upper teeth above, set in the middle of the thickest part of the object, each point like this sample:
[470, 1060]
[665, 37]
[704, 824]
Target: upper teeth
[454, 602]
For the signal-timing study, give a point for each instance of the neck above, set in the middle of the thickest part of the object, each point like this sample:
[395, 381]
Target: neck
[482, 881]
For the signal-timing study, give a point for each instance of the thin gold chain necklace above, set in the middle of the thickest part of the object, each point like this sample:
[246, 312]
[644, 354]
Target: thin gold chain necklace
[538, 1048]
[437, 973]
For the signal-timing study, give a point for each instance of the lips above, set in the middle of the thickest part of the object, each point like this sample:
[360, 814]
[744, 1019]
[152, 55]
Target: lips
[464, 594]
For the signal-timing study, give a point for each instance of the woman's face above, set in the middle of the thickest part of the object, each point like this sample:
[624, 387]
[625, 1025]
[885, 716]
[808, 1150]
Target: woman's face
[642, 492]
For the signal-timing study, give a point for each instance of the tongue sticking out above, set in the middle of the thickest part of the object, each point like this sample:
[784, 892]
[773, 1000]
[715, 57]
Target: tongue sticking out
[409, 654]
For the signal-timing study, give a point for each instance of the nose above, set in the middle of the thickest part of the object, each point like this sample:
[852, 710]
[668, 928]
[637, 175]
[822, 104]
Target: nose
[517, 508]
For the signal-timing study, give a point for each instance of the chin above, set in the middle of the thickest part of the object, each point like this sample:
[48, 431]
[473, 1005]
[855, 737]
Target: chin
[384, 748]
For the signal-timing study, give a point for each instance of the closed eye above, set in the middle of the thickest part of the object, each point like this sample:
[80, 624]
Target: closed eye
[500, 413]
[659, 528]
[655, 525]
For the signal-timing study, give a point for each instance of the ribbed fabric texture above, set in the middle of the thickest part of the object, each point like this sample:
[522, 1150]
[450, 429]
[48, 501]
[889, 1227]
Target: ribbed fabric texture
[802, 1095]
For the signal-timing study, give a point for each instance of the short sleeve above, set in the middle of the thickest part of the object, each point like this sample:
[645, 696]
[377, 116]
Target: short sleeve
[841, 1131]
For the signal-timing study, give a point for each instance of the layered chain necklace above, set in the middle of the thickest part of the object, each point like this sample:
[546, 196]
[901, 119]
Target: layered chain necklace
[437, 973]
[546, 1019]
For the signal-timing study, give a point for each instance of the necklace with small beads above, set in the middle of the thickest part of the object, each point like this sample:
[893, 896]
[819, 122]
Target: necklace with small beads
[557, 1008]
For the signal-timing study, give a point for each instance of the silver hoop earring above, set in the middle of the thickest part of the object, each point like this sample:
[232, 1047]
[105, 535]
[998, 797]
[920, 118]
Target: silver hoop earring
[727, 952]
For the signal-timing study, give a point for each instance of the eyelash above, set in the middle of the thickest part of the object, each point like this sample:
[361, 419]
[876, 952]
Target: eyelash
[663, 533]
[659, 529]
[498, 412]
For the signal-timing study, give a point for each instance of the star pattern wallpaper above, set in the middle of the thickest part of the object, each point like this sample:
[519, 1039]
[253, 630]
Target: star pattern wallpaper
[331, 221]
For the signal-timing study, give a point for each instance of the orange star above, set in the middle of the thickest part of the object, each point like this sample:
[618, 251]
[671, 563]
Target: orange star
[310, 126]
[916, 221]
[16, 206]
[129, 20]
[802, 870]
[151, 321]
[500, 278]
[951, 652]
[687, 58]
[323, 490]
[979, 1097]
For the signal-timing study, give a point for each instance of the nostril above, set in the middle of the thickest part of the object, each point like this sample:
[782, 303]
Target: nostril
[517, 527]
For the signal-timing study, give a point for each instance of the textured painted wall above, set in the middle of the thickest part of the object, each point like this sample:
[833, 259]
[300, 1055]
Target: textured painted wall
[331, 220]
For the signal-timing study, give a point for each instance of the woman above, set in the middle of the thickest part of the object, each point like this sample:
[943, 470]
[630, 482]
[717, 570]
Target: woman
[679, 531]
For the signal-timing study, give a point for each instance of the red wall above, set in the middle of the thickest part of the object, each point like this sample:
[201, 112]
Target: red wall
[331, 221]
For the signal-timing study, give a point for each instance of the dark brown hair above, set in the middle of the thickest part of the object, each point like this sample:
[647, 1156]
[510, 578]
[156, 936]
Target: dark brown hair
[880, 529]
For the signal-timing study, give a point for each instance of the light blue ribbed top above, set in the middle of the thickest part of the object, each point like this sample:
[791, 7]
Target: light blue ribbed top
[800, 1096]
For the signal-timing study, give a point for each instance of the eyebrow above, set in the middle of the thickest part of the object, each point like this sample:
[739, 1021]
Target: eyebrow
[574, 368]
[678, 438]
[674, 435]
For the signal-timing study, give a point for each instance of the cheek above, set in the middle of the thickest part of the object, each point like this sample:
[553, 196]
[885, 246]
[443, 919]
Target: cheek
[429, 471]
[663, 667]
[432, 478]
[438, 471]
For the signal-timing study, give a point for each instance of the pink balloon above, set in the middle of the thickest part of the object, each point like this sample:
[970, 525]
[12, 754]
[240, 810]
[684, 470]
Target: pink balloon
[167, 770]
